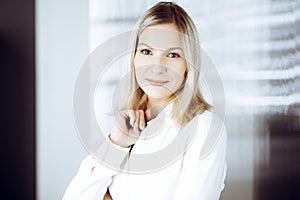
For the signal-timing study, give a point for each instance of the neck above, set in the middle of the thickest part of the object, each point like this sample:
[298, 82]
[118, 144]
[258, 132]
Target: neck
[154, 107]
[156, 102]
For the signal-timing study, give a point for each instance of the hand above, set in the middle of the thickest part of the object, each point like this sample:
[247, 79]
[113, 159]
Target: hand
[129, 124]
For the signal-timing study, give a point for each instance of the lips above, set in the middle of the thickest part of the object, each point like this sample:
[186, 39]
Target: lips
[156, 82]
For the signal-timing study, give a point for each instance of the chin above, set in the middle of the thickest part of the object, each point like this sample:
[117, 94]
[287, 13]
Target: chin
[157, 93]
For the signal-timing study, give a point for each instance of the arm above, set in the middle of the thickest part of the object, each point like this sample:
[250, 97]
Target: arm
[90, 182]
[93, 178]
[202, 177]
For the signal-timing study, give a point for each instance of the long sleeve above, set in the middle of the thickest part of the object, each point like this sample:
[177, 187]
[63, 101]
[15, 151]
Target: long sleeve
[93, 178]
[202, 177]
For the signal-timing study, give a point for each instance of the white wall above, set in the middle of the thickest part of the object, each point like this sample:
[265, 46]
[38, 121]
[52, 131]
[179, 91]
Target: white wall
[62, 29]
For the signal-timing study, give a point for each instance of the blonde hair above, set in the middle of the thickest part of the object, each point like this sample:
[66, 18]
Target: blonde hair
[189, 101]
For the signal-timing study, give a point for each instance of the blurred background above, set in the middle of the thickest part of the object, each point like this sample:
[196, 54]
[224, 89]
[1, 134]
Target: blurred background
[254, 43]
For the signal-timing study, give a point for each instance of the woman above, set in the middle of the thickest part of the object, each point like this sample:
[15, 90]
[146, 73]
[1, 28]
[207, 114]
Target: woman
[165, 116]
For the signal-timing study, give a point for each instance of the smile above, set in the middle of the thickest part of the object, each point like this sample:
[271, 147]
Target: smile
[156, 82]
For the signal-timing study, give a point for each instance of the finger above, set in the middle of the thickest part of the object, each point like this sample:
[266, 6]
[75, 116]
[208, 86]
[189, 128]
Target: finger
[132, 117]
[148, 115]
[141, 102]
[142, 123]
[137, 121]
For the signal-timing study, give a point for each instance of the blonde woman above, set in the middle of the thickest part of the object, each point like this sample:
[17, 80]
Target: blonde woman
[163, 125]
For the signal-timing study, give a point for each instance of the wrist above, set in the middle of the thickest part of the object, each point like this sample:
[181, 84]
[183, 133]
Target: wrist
[117, 141]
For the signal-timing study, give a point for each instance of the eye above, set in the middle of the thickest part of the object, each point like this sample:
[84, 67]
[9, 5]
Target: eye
[173, 55]
[146, 52]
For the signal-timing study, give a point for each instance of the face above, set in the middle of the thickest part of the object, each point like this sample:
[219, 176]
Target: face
[159, 62]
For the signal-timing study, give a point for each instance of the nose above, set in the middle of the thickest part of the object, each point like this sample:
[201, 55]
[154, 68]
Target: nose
[158, 69]
[158, 65]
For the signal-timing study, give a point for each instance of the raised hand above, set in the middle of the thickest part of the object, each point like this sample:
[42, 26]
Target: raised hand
[129, 124]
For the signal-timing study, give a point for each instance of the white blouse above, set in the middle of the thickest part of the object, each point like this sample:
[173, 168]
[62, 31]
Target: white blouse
[193, 168]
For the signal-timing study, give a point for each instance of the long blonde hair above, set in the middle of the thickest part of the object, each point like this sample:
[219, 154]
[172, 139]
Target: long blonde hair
[189, 101]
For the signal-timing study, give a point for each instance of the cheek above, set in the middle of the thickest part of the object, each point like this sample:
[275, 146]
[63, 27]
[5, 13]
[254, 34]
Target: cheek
[136, 64]
[180, 70]
[138, 74]
[183, 68]
[138, 71]
[179, 76]
[183, 71]
[138, 61]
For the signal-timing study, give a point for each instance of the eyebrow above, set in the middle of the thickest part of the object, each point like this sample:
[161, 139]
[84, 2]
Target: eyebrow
[171, 48]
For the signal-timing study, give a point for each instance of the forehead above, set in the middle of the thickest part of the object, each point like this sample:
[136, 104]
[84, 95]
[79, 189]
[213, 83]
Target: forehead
[162, 36]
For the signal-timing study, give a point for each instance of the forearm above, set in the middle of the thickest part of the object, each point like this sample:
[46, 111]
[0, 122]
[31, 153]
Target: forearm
[96, 172]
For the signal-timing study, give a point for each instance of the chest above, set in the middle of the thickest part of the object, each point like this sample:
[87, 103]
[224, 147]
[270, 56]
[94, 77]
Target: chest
[156, 185]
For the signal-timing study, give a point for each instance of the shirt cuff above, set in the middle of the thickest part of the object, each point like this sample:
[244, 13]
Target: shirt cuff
[126, 149]
[111, 155]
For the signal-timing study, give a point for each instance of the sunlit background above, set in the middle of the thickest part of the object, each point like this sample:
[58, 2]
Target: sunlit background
[255, 45]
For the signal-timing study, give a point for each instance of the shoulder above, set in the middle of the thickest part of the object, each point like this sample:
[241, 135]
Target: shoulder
[204, 121]
[208, 133]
